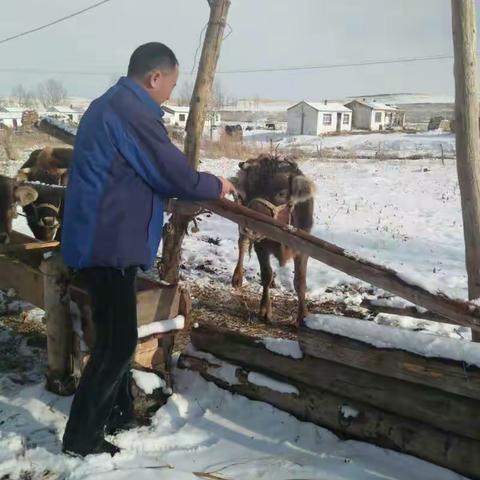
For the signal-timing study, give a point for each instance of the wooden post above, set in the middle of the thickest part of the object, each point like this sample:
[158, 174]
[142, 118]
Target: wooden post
[467, 133]
[59, 327]
[175, 230]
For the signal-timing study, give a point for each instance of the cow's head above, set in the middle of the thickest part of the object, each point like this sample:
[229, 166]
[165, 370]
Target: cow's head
[12, 194]
[47, 166]
[277, 180]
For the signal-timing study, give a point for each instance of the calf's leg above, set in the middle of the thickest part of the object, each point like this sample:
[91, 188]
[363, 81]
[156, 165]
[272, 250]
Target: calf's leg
[243, 246]
[300, 283]
[266, 274]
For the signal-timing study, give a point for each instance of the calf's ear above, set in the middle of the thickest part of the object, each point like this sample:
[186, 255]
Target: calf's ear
[24, 195]
[302, 189]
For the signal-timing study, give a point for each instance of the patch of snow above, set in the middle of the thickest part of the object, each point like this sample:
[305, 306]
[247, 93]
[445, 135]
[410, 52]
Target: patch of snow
[220, 369]
[382, 336]
[393, 302]
[148, 382]
[348, 412]
[287, 348]
[417, 280]
[161, 326]
[200, 429]
[272, 384]
[426, 326]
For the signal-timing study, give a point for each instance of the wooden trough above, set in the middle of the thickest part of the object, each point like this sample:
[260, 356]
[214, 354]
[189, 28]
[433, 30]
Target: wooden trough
[37, 274]
[426, 407]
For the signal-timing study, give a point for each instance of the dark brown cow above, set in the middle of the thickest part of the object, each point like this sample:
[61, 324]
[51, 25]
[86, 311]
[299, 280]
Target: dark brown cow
[11, 195]
[48, 166]
[278, 188]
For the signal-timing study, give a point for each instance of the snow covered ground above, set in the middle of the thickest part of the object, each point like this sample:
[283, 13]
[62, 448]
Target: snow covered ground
[405, 214]
[202, 429]
[362, 145]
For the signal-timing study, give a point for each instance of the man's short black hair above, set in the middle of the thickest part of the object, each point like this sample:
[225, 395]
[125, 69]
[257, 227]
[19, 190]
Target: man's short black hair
[150, 56]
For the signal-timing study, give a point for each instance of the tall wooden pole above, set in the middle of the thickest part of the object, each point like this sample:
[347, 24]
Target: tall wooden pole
[206, 73]
[175, 230]
[467, 134]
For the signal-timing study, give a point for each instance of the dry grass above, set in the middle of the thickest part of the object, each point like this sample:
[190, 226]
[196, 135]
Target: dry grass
[14, 142]
[230, 147]
[7, 142]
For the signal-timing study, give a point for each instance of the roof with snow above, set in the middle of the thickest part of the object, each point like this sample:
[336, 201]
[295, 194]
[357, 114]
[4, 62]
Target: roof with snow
[12, 109]
[375, 105]
[62, 109]
[175, 109]
[325, 106]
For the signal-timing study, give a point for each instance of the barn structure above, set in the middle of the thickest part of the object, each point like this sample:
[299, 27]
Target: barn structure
[11, 116]
[373, 115]
[68, 114]
[175, 115]
[315, 118]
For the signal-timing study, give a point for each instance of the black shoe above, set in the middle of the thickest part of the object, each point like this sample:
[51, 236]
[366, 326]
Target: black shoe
[122, 424]
[84, 450]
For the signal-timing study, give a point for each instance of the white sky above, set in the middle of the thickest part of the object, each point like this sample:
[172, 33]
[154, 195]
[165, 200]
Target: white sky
[266, 33]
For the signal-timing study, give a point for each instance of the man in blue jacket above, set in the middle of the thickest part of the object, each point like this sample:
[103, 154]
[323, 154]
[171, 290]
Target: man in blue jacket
[123, 168]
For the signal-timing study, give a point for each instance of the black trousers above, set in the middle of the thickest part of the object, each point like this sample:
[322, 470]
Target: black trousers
[104, 385]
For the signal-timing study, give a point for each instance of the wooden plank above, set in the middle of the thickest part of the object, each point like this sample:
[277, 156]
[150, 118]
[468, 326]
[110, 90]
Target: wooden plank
[437, 408]
[13, 248]
[368, 423]
[155, 301]
[443, 374]
[25, 280]
[457, 311]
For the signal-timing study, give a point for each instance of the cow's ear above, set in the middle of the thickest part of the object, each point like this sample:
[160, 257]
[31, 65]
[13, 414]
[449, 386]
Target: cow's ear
[22, 174]
[290, 159]
[242, 166]
[24, 195]
[302, 189]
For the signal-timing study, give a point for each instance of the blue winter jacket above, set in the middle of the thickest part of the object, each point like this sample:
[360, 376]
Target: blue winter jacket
[123, 167]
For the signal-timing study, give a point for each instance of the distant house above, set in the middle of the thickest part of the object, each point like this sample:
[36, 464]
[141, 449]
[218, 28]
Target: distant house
[11, 116]
[312, 118]
[68, 114]
[175, 116]
[372, 115]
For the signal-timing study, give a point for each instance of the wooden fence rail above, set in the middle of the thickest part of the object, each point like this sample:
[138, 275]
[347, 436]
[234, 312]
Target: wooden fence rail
[452, 310]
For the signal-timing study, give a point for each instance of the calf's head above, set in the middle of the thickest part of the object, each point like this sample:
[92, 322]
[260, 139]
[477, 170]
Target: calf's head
[11, 195]
[48, 166]
[275, 181]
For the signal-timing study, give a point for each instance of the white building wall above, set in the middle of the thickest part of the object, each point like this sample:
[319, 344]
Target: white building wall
[332, 127]
[324, 128]
[346, 124]
[377, 124]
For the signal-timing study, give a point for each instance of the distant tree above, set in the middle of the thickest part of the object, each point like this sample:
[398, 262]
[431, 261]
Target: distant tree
[23, 97]
[51, 92]
[184, 93]
[218, 99]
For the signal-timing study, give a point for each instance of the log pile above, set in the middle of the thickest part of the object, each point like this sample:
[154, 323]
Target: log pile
[420, 406]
